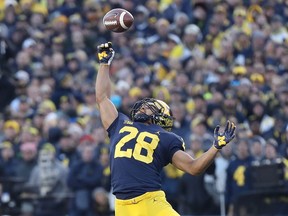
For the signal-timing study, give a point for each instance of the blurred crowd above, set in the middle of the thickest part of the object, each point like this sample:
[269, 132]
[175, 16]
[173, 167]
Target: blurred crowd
[210, 60]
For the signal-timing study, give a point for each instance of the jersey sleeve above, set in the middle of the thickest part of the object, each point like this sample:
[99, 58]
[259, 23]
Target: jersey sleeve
[176, 144]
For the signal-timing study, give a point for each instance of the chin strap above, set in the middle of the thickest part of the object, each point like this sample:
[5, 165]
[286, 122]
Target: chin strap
[142, 117]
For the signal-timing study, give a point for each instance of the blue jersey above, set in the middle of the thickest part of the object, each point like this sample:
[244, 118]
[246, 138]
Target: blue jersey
[138, 152]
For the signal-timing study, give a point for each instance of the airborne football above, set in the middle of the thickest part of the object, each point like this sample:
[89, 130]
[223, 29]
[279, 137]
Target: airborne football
[118, 20]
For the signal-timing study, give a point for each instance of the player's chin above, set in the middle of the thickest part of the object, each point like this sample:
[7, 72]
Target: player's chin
[142, 117]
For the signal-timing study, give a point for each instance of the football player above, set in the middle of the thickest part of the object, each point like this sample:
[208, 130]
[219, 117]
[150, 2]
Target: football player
[140, 146]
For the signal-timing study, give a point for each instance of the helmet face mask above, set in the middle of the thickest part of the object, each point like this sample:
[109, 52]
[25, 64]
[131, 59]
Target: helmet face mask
[161, 113]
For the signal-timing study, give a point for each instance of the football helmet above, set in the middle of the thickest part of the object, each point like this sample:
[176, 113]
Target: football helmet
[161, 113]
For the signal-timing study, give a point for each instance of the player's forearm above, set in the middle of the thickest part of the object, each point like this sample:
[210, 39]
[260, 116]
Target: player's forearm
[103, 83]
[204, 161]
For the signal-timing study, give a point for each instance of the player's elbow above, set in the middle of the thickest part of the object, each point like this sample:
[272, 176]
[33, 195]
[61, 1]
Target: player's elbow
[100, 98]
[196, 172]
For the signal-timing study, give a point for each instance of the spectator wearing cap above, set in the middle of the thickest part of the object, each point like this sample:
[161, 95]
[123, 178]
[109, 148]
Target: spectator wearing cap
[67, 148]
[258, 81]
[28, 44]
[162, 93]
[215, 35]
[29, 134]
[57, 48]
[59, 25]
[141, 22]
[240, 23]
[84, 176]
[181, 20]
[163, 33]
[139, 51]
[48, 182]
[220, 16]
[76, 22]
[278, 31]
[11, 131]
[22, 78]
[10, 14]
[50, 121]
[239, 72]
[192, 37]
[21, 81]
[38, 15]
[22, 110]
[243, 47]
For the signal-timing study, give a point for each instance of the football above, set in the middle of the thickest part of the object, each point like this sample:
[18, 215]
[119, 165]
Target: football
[118, 20]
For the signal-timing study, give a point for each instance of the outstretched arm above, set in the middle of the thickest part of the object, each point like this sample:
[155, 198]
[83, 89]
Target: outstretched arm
[107, 109]
[186, 163]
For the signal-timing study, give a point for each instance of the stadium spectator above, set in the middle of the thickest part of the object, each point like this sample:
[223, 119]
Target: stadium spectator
[195, 197]
[257, 148]
[238, 177]
[47, 183]
[101, 205]
[26, 163]
[84, 176]
[8, 166]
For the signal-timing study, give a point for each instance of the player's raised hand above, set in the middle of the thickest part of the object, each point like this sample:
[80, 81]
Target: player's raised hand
[223, 138]
[105, 53]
